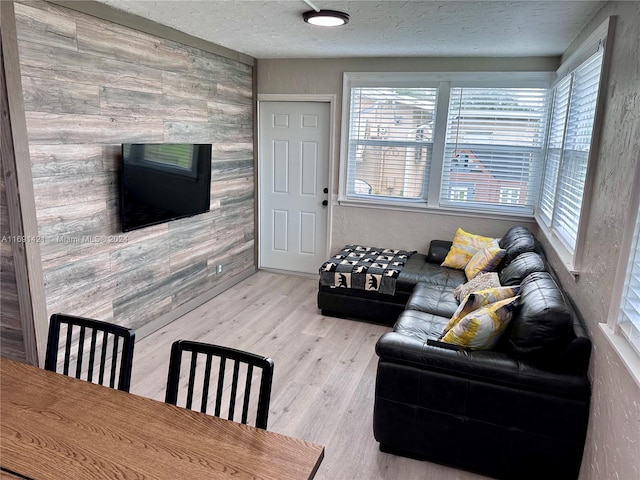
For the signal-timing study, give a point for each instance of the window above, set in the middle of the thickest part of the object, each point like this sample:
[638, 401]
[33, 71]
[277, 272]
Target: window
[572, 147]
[444, 141]
[568, 148]
[623, 325]
[494, 141]
[629, 315]
[390, 142]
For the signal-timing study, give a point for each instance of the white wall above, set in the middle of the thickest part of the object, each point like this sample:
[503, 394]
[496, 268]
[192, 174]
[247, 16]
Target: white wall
[378, 227]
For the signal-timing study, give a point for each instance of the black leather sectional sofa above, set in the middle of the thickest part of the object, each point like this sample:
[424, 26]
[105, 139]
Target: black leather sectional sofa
[517, 411]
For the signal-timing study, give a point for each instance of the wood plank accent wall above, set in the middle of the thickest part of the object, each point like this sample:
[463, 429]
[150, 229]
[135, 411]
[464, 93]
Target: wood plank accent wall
[11, 334]
[90, 85]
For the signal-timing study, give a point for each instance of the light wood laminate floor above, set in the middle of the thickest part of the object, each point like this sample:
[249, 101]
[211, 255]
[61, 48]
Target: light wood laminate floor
[324, 376]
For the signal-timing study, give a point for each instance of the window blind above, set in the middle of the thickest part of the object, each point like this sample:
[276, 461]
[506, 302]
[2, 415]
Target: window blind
[390, 142]
[493, 148]
[575, 151]
[553, 152]
[629, 320]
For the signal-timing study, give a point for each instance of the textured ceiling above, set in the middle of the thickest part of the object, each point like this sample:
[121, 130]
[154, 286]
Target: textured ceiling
[275, 29]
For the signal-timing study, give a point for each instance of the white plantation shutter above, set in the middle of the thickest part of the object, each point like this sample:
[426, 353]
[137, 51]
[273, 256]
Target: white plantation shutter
[493, 148]
[557, 125]
[629, 320]
[390, 142]
[575, 153]
[568, 148]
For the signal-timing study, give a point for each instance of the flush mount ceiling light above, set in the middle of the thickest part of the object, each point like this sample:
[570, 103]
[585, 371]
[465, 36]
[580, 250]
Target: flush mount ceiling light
[324, 18]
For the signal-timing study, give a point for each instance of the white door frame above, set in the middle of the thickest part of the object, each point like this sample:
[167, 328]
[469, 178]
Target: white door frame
[322, 98]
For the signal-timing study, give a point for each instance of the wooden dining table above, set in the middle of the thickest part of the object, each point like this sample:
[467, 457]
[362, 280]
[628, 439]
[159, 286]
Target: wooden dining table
[57, 427]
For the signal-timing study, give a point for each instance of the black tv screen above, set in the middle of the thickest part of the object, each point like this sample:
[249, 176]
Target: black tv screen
[162, 182]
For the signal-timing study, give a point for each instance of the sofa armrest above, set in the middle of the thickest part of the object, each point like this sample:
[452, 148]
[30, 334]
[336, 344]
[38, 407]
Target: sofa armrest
[488, 366]
[438, 250]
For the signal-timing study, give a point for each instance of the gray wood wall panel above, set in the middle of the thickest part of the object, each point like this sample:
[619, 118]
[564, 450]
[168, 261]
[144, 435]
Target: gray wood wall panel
[11, 338]
[90, 85]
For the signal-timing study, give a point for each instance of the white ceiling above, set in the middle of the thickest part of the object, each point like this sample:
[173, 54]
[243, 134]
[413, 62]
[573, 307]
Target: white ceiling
[275, 29]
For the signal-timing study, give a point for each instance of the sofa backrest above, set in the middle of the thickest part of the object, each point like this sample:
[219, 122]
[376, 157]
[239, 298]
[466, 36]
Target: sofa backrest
[546, 329]
[515, 241]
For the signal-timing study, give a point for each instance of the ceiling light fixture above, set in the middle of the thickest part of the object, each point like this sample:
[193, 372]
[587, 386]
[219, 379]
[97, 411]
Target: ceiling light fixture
[324, 18]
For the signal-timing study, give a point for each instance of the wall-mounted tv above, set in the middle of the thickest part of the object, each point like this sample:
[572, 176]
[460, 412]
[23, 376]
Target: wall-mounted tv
[162, 182]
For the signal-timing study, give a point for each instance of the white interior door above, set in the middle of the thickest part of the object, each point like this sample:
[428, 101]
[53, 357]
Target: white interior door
[293, 154]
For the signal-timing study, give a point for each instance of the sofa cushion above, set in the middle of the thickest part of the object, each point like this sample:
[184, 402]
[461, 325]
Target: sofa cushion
[478, 299]
[482, 281]
[543, 327]
[435, 299]
[417, 270]
[486, 259]
[464, 246]
[516, 241]
[521, 267]
[481, 329]
[420, 325]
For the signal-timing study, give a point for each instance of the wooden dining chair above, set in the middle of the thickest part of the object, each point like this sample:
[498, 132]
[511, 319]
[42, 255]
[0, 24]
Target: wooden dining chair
[212, 359]
[96, 351]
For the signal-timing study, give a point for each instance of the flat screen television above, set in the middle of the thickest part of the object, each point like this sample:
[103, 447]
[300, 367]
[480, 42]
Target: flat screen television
[162, 182]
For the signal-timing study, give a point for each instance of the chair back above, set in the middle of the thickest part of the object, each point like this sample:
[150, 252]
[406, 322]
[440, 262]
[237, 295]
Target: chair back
[96, 351]
[213, 359]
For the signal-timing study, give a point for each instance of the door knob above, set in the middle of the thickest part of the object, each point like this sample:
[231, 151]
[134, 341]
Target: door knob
[325, 203]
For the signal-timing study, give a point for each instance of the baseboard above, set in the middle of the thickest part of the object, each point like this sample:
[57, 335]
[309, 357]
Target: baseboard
[173, 315]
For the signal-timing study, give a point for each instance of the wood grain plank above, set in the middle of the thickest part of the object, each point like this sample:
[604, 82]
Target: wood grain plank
[47, 28]
[53, 128]
[67, 189]
[188, 86]
[54, 96]
[38, 61]
[130, 46]
[116, 102]
[62, 160]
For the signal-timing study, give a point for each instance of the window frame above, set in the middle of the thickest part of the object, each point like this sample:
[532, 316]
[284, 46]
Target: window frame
[443, 81]
[611, 328]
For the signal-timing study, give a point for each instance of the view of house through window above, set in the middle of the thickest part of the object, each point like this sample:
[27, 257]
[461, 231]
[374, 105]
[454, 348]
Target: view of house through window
[390, 141]
[490, 146]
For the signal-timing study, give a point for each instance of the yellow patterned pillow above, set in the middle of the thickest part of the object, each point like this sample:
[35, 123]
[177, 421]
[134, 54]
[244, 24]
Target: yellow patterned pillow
[484, 260]
[478, 299]
[481, 329]
[464, 246]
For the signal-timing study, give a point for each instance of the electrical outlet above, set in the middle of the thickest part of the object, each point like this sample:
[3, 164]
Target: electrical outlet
[219, 268]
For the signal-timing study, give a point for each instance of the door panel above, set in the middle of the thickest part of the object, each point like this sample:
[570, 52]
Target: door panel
[294, 166]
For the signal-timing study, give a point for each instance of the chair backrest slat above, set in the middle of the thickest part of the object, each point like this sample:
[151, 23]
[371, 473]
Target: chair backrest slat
[192, 378]
[222, 387]
[67, 350]
[205, 386]
[247, 394]
[92, 355]
[120, 357]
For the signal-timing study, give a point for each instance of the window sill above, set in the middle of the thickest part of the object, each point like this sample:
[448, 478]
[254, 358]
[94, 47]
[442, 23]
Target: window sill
[419, 207]
[627, 354]
[567, 259]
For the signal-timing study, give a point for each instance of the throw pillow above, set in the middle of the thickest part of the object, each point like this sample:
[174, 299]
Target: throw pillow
[478, 299]
[484, 260]
[482, 281]
[464, 246]
[481, 329]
